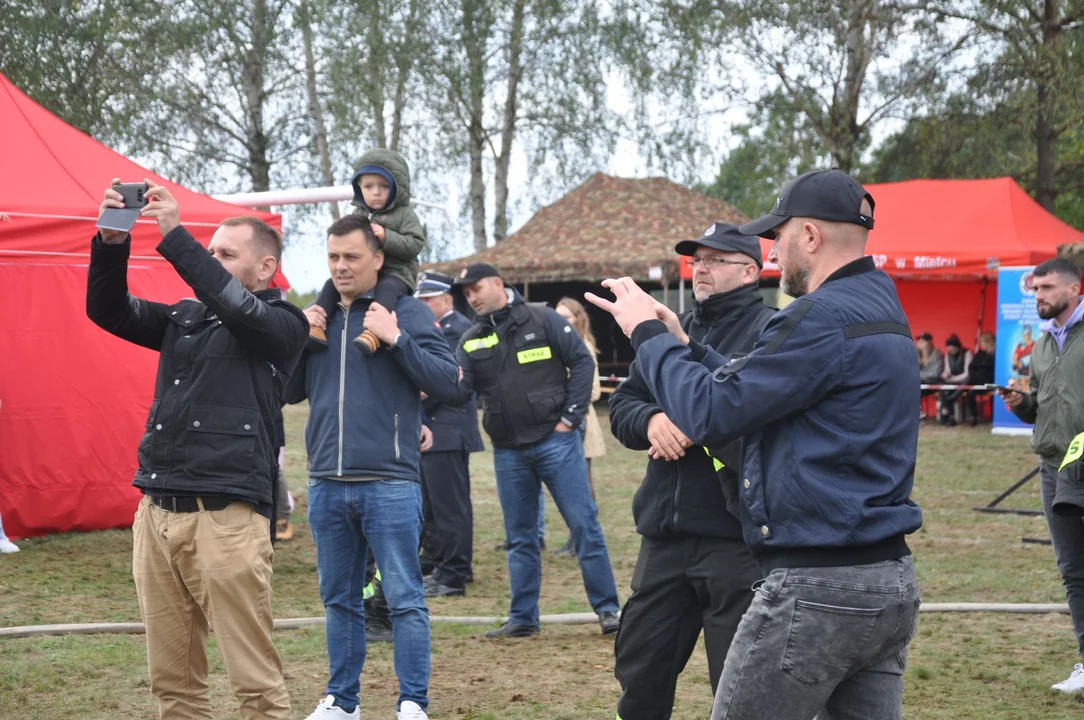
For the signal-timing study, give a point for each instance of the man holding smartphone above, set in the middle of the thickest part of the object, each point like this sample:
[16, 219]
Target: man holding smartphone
[1054, 403]
[207, 466]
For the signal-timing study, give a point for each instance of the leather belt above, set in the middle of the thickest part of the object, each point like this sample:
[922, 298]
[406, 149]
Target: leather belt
[180, 504]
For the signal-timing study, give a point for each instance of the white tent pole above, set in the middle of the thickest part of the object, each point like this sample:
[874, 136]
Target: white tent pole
[303, 196]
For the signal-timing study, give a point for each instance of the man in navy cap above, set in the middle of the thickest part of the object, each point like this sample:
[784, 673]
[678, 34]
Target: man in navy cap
[826, 406]
[533, 376]
[694, 572]
[446, 507]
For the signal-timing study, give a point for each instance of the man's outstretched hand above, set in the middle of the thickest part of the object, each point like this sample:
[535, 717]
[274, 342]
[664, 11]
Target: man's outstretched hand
[632, 306]
[112, 199]
[162, 207]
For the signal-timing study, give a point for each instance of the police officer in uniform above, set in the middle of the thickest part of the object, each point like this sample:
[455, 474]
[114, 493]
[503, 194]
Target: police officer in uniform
[533, 375]
[694, 571]
[446, 507]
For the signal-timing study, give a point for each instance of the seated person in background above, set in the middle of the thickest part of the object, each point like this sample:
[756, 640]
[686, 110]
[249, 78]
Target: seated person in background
[979, 372]
[957, 364]
[930, 361]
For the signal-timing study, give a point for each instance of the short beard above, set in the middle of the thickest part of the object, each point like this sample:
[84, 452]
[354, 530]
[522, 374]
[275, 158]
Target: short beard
[1053, 311]
[796, 283]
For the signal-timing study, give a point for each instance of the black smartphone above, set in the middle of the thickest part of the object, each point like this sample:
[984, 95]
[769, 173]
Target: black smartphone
[134, 194]
[1003, 388]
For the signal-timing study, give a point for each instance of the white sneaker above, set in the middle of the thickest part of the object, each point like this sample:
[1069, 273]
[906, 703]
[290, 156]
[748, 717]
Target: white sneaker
[328, 710]
[7, 546]
[1074, 684]
[410, 710]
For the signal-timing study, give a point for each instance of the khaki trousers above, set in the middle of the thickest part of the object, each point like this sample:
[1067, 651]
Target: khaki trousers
[192, 569]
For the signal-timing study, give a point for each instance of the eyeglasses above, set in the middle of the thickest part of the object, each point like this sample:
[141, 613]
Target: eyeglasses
[710, 263]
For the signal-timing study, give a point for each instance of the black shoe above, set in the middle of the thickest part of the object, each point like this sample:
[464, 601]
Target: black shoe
[501, 547]
[542, 544]
[469, 578]
[513, 630]
[609, 622]
[566, 549]
[435, 589]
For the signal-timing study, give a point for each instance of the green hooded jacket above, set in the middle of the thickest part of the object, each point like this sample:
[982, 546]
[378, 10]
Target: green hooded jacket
[404, 234]
[1055, 398]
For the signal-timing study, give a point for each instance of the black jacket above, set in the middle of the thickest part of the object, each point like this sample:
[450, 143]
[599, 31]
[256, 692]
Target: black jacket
[225, 358]
[455, 428]
[530, 370]
[685, 497]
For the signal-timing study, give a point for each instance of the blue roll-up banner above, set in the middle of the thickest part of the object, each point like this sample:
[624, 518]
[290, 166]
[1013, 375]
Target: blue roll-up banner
[1017, 332]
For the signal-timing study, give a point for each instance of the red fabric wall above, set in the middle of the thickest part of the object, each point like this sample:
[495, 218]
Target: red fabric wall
[942, 308]
[73, 400]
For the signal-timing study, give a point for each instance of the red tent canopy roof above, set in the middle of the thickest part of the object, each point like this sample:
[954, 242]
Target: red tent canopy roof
[961, 228]
[54, 172]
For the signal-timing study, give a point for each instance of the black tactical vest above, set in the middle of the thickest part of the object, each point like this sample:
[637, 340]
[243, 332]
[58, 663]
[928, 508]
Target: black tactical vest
[519, 376]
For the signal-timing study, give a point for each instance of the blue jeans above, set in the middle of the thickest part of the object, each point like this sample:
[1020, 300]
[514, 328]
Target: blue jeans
[558, 462]
[345, 519]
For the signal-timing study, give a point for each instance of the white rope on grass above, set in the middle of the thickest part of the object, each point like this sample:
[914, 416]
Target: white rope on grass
[563, 619]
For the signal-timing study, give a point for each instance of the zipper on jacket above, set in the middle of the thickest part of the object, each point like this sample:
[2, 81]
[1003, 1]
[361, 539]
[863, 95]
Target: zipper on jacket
[342, 386]
[677, 493]
[396, 437]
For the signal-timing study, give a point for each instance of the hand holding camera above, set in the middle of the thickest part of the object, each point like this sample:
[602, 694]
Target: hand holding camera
[124, 203]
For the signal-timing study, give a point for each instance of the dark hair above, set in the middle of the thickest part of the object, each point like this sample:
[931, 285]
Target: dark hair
[1058, 266]
[352, 223]
[268, 238]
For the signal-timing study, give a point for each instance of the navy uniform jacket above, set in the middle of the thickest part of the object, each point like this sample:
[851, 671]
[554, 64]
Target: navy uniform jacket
[454, 428]
[827, 404]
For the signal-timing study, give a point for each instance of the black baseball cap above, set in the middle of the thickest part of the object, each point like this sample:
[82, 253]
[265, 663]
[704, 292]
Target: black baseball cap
[823, 194]
[724, 236]
[475, 272]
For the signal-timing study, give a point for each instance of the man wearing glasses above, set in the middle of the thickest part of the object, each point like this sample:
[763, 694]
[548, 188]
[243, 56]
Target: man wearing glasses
[694, 571]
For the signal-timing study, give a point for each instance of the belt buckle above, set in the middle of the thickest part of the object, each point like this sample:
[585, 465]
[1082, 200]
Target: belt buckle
[173, 499]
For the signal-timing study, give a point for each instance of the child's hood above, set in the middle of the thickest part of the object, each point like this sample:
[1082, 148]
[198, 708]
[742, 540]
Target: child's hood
[395, 164]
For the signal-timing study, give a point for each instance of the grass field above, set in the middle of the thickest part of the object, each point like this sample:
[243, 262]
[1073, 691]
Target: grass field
[961, 666]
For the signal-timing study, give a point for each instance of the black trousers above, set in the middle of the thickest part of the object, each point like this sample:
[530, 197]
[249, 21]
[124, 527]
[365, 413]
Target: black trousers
[679, 587]
[447, 516]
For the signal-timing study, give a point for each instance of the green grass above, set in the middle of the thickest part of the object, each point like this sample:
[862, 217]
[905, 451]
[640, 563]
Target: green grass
[973, 666]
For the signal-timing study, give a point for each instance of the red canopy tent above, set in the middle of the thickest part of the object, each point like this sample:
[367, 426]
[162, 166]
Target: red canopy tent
[73, 399]
[943, 242]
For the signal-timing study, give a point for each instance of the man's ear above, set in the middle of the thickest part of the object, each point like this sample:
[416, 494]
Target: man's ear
[812, 239]
[378, 259]
[268, 267]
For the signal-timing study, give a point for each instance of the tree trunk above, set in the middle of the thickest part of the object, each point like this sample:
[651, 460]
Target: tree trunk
[508, 125]
[255, 59]
[376, 75]
[843, 114]
[404, 65]
[1046, 137]
[315, 109]
[476, 129]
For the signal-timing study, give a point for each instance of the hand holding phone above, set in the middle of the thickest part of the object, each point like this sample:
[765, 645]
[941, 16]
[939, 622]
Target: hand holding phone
[120, 209]
[1011, 396]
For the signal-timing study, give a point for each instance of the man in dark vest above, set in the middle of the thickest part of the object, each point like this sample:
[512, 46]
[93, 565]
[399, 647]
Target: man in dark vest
[694, 571]
[446, 508]
[533, 375]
